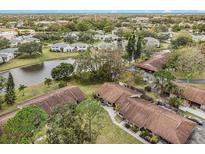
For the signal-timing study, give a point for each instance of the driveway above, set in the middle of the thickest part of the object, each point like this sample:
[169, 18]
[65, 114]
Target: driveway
[112, 115]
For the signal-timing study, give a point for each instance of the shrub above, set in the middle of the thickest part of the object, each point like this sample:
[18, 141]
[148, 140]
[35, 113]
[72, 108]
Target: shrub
[144, 133]
[134, 128]
[147, 88]
[62, 84]
[127, 125]
[154, 139]
[139, 79]
[175, 102]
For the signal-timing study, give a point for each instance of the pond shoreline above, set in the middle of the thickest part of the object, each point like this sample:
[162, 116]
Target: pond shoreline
[27, 65]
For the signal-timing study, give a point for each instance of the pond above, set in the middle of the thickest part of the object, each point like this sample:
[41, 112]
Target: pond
[34, 74]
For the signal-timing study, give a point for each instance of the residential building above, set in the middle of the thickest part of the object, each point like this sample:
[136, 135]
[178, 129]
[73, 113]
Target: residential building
[8, 34]
[79, 46]
[61, 47]
[166, 124]
[155, 63]
[193, 96]
[7, 54]
[47, 102]
[152, 42]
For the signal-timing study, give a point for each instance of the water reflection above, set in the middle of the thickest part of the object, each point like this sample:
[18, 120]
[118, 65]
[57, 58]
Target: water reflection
[34, 74]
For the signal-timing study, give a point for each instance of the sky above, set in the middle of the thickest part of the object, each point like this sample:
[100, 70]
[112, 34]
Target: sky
[104, 11]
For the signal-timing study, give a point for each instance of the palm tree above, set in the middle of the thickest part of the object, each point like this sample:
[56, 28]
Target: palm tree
[22, 88]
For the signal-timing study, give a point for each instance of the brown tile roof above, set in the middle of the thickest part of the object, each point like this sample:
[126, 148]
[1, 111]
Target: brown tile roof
[170, 126]
[155, 63]
[64, 95]
[193, 94]
[111, 92]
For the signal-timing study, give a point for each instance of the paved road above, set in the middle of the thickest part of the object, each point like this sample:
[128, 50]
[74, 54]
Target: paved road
[112, 115]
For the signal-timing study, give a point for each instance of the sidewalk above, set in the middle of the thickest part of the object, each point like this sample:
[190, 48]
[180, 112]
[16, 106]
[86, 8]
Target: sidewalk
[196, 112]
[112, 115]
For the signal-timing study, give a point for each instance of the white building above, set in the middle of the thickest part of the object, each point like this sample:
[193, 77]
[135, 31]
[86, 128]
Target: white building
[152, 42]
[61, 47]
[79, 46]
[7, 54]
[8, 34]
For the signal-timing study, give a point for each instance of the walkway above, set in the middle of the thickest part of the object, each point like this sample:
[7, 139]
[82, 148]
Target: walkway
[112, 115]
[193, 81]
[196, 112]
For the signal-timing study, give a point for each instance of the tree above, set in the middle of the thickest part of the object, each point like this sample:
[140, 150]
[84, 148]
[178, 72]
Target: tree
[138, 51]
[188, 62]
[124, 32]
[83, 25]
[10, 95]
[100, 66]
[130, 48]
[64, 126]
[62, 72]
[89, 110]
[4, 43]
[22, 88]
[162, 79]
[48, 82]
[182, 39]
[2, 83]
[86, 37]
[176, 28]
[22, 127]
[30, 48]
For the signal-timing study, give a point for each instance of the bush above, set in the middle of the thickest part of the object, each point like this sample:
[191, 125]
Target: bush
[175, 102]
[154, 139]
[139, 79]
[62, 84]
[134, 129]
[147, 88]
[127, 125]
[182, 39]
[144, 133]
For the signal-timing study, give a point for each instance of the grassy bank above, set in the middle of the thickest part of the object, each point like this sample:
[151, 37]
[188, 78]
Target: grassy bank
[46, 55]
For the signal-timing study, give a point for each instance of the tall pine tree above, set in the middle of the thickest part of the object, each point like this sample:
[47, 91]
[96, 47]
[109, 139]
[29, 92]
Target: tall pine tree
[131, 46]
[10, 96]
[138, 51]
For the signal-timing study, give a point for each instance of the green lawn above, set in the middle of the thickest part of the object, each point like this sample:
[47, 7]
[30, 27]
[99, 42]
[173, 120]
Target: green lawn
[47, 55]
[181, 75]
[112, 134]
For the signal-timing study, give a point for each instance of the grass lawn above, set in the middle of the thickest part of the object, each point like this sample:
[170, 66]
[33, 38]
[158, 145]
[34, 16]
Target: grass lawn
[181, 75]
[118, 119]
[47, 55]
[112, 134]
[202, 86]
